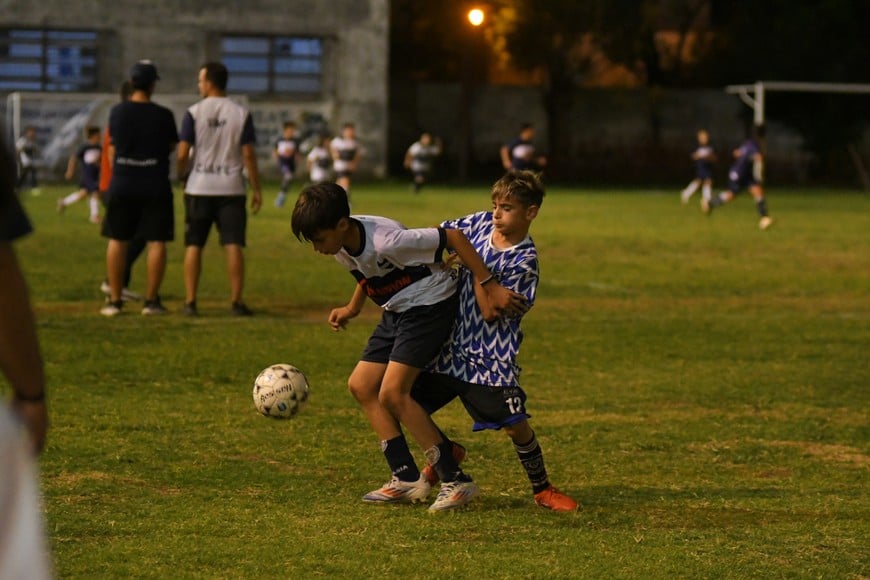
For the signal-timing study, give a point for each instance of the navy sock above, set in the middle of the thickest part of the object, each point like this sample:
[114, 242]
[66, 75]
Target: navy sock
[441, 458]
[761, 206]
[532, 458]
[399, 459]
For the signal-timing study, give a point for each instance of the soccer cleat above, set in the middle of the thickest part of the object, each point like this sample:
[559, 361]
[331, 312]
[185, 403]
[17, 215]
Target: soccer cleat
[239, 309]
[153, 308]
[552, 499]
[398, 491]
[279, 201]
[190, 309]
[453, 495]
[765, 222]
[429, 472]
[111, 308]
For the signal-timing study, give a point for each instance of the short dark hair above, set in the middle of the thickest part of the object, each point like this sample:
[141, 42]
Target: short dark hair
[288, 124]
[126, 90]
[526, 125]
[92, 130]
[522, 186]
[320, 207]
[217, 74]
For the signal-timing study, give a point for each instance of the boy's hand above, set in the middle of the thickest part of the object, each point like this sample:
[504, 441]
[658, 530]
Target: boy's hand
[506, 302]
[339, 317]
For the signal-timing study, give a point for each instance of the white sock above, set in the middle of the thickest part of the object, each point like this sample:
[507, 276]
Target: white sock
[71, 198]
[707, 192]
[94, 204]
[690, 189]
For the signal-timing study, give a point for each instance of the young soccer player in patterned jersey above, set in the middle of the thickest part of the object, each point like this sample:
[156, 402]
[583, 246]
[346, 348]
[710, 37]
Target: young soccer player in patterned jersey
[400, 270]
[478, 362]
[745, 173]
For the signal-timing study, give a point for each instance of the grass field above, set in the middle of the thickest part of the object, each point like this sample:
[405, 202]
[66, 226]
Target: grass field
[699, 386]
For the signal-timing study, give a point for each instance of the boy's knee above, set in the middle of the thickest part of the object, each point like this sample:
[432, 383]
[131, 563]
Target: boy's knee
[390, 399]
[360, 390]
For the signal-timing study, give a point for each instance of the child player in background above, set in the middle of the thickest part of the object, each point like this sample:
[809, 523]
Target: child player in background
[286, 151]
[89, 181]
[704, 156]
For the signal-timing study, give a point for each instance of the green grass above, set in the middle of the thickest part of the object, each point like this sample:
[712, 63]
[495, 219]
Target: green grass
[699, 386]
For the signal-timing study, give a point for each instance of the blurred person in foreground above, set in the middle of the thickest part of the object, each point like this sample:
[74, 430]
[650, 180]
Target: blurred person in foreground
[23, 552]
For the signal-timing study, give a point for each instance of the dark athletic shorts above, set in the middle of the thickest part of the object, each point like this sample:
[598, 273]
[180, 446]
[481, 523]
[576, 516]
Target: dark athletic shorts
[412, 337]
[150, 217]
[490, 407]
[227, 212]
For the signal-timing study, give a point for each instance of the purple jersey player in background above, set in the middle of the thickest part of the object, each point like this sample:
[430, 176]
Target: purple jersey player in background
[745, 173]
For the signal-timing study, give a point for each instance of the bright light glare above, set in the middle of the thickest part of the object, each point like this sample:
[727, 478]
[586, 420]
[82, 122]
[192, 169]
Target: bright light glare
[475, 16]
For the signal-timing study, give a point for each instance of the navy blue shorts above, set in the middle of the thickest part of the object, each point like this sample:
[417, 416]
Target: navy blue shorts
[738, 182]
[490, 407]
[89, 185]
[227, 212]
[412, 337]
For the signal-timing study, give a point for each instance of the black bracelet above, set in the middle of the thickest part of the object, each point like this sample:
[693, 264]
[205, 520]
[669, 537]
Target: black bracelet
[34, 399]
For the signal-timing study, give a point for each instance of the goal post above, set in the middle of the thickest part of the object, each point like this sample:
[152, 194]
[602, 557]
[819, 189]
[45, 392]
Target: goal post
[756, 101]
[753, 96]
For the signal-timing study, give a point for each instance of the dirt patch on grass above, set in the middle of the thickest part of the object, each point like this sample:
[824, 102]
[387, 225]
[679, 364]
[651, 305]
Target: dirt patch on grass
[827, 452]
[74, 479]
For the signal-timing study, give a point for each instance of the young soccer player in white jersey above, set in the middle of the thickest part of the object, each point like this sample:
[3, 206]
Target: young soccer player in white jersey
[478, 362]
[320, 161]
[704, 156]
[400, 270]
[346, 154]
[420, 156]
[286, 151]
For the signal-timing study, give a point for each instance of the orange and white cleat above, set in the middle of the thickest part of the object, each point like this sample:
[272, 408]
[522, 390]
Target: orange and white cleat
[398, 491]
[429, 472]
[553, 499]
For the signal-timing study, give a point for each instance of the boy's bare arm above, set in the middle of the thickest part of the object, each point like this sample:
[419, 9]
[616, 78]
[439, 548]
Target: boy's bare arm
[501, 300]
[339, 317]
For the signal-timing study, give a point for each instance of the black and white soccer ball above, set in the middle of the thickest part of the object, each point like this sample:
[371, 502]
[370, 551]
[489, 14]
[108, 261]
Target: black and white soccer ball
[280, 391]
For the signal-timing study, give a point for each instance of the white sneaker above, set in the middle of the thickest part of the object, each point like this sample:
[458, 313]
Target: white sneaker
[111, 309]
[398, 491]
[765, 222]
[454, 494]
[126, 295]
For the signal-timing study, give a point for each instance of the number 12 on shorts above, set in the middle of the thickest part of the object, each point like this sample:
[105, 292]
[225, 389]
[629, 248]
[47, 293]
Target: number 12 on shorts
[515, 404]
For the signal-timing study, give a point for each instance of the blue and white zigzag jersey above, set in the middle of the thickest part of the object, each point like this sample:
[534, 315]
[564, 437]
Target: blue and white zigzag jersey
[399, 268]
[480, 352]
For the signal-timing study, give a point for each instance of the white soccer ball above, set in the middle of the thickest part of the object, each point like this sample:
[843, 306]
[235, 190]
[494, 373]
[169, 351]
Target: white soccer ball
[280, 391]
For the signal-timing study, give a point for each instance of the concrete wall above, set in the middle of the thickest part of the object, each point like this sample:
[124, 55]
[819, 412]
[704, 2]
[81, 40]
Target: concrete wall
[179, 35]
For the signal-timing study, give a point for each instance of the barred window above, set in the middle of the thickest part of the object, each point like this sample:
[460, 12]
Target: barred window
[273, 64]
[48, 60]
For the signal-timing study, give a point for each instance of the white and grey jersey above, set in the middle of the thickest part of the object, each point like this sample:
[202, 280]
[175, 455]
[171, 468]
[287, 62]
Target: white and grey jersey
[217, 128]
[344, 151]
[399, 268]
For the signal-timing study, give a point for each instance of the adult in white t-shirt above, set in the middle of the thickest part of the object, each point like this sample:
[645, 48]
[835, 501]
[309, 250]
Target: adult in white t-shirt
[220, 133]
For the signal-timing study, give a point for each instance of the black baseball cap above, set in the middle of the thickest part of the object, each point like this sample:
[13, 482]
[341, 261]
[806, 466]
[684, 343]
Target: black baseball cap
[143, 73]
